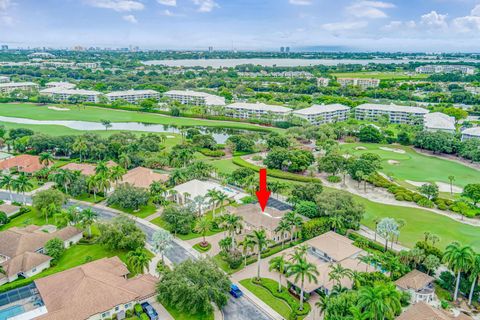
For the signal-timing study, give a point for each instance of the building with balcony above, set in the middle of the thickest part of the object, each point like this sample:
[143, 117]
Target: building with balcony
[60, 84]
[245, 110]
[79, 95]
[394, 113]
[8, 87]
[359, 82]
[437, 121]
[320, 114]
[195, 98]
[133, 96]
[431, 69]
[419, 285]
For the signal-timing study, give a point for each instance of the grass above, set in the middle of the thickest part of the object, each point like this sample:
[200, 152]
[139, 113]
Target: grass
[73, 257]
[201, 249]
[94, 114]
[143, 212]
[32, 217]
[88, 197]
[381, 75]
[222, 264]
[266, 296]
[224, 166]
[178, 315]
[417, 167]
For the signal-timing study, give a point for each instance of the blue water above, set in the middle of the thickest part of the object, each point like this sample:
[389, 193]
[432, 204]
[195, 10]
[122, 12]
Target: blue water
[11, 312]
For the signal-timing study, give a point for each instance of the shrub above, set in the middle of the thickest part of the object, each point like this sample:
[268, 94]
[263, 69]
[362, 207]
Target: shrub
[315, 227]
[234, 259]
[212, 153]
[54, 248]
[143, 316]
[307, 209]
[248, 199]
[3, 218]
[334, 179]
[424, 202]
[138, 309]
[429, 249]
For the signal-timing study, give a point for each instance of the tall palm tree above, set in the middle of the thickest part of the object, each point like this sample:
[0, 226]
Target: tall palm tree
[338, 272]
[221, 198]
[259, 238]
[138, 260]
[381, 301]
[45, 158]
[337, 222]
[87, 218]
[212, 196]
[124, 160]
[283, 228]
[302, 270]
[22, 184]
[295, 221]
[358, 314]
[93, 185]
[80, 146]
[8, 183]
[104, 183]
[202, 226]
[116, 173]
[459, 259]
[62, 177]
[451, 179]
[474, 275]
[278, 264]
[102, 168]
[247, 245]
[233, 224]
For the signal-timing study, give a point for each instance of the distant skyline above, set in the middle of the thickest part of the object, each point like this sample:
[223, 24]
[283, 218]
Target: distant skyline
[362, 25]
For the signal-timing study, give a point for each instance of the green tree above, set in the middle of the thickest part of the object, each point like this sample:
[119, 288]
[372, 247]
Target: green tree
[55, 249]
[429, 190]
[472, 191]
[278, 264]
[161, 242]
[87, 218]
[459, 259]
[46, 158]
[202, 226]
[46, 199]
[381, 301]
[371, 134]
[121, 233]
[7, 182]
[259, 238]
[233, 224]
[22, 184]
[138, 260]
[474, 275]
[106, 123]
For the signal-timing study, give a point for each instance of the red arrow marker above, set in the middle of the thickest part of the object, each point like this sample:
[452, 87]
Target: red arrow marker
[263, 194]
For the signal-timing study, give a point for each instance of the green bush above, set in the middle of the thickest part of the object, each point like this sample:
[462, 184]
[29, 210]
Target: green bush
[138, 309]
[315, 227]
[424, 202]
[334, 179]
[400, 196]
[143, 316]
[234, 259]
[212, 153]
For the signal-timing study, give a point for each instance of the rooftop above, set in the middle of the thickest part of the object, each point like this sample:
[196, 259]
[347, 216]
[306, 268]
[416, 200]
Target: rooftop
[24, 162]
[87, 169]
[423, 311]
[130, 92]
[63, 90]
[415, 280]
[316, 109]
[258, 106]
[17, 84]
[472, 131]
[200, 188]
[253, 215]
[336, 246]
[141, 177]
[438, 120]
[391, 107]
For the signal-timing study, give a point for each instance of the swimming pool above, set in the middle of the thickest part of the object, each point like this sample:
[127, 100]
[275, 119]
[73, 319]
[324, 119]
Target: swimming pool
[11, 312]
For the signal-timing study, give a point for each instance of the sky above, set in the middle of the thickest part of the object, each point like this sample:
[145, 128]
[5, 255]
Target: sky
[355, 25]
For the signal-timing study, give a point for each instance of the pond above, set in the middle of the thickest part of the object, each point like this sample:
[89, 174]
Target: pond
[219, 134]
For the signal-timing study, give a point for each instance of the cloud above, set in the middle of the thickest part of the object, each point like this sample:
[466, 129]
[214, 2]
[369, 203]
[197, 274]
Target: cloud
[300, 2]
[476, 10]
[344, 26]
[206, 5]
[117, 5]
[400, 26]
[434, 20]
[5, 18]
[170, 3]
[130, 18]
[370, 9]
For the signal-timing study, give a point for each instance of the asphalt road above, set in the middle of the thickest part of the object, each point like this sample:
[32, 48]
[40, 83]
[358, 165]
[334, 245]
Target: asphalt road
[236, 309]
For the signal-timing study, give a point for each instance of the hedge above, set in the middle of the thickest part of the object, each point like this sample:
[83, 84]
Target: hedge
[211, 153]
[373, 245]
[315, 227]
[275, 172]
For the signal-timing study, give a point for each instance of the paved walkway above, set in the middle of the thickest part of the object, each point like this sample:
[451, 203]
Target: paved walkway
[155, 215]
[370, 234]
[213, 240]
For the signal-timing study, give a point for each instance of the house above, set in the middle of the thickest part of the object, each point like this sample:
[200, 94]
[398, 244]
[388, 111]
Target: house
[23, 163]
[9, 209]
[22, 250]
[419, 285]
[325, 251]
[86, 169]
[94, 291]
[423, 311]
[141, 177]
[255, 219]
[437, 121]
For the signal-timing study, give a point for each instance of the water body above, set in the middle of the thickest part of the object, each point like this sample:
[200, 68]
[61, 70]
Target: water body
[230, 63]
[219, 134]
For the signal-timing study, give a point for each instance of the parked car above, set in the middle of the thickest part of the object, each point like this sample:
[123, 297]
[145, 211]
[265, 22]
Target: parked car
[150, 311]
[235, 291]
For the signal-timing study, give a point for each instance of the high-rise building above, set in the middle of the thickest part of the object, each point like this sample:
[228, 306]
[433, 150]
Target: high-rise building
[210, 49]
[4, 47]
[287, 49]
[282, 49]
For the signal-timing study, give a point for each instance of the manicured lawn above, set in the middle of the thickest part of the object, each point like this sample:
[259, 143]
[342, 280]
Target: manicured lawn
[88, 197]
[95, 114]
[381, 75]
[202, 249]
[224, 166]
[420, 221]
[177, 315]
[74, 256]
[32, 217]
[266, 296]
[222, 264]
[417, 167]
[144, 211]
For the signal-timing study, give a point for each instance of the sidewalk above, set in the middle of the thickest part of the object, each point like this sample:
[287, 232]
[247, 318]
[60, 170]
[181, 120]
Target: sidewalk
[370, 234]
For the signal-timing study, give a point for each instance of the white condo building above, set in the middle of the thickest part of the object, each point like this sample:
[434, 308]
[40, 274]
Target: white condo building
[195, 98]
[438, 121]
[471, 133]
[360, 82]
[133, 96]
[244, 110]
[63, 94]
[395, 113]
[323, 82]
[11, 86]
[4, 79]
[320, 114]
[445, 69]
[60, 84]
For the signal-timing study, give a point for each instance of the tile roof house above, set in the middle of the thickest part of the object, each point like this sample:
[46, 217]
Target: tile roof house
[419, 285]
[423, 311]
[22, 250]
[87, 169]
[141, 177]
[95, 290]
[24, 163]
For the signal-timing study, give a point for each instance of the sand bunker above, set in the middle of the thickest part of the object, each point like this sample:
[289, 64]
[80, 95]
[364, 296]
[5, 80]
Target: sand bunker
[392, 150]
[393, 162]
[360, 148]
[347, 156]
[442, 186]
[58, 109]
[170, 137]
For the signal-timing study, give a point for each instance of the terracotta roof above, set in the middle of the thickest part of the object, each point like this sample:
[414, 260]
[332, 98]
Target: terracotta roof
[90, 289]
[141, 177]
[24, 262]
[415, 280]
[253, 215]
[25, 163]
[423, 311]
[336, 246]
[87, 169]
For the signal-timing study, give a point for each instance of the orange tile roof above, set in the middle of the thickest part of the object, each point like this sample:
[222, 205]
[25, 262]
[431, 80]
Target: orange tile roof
[24, 162]
[141, 177]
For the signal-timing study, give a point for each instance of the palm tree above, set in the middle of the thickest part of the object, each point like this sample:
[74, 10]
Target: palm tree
[116, 173]
[22, 184]
[451, 179]
[381, 301]
[233, 224]
[202, 226]
[458, 258]
[301, 269]
[138, 260]
[474, 273]
[87, 218]
[124, 160]
[212, 196]
[295, 221]
[46, 158]
[338, 272]
[259, 238]
[337, 222]
[62, 177]
[8, 183]
[102, 168]
[199, 202]
[358, 314]
[283, 228]
[103, 183]
[247, 245]
[278, 264]
[80, 146]
[93, 185]
[322, 303]
[221, 198]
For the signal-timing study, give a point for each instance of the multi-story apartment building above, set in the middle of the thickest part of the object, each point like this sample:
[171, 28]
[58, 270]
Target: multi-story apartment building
[195, 98]
[63, 94]
[471, 133]
[4, 79]
[438, 121]
[61, 84]
[445, 69]
[11, 86]
[323, 82]
[320, 114]
[133, 96]
[243, 110]
[87, 65]
[394, 113]
[360, 82]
